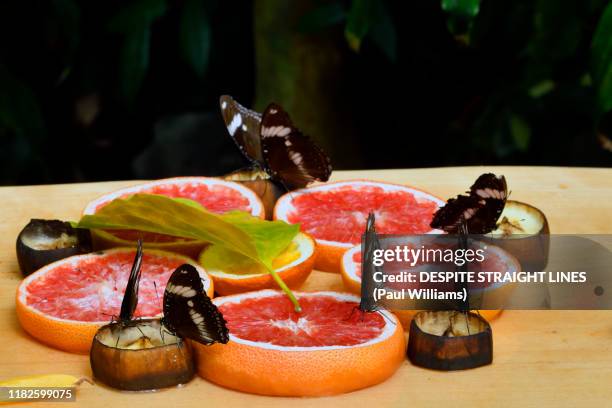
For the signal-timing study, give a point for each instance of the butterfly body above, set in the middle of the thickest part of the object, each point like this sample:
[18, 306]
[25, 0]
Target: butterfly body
[272, 143]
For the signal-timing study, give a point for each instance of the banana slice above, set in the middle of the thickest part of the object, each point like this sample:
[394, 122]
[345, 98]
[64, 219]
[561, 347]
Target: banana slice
[43, 381]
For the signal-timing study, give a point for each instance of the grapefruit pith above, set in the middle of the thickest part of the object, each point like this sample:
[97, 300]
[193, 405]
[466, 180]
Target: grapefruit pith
[335, 214]
[328, 348]
[64, 303]
[293, 266]
[216, 195]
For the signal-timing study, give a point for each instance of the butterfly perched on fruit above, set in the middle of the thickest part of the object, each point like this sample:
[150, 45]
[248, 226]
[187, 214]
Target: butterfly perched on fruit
[189, 312]
[479, 210]
[130, 297]
[272, 143]
[368, 284]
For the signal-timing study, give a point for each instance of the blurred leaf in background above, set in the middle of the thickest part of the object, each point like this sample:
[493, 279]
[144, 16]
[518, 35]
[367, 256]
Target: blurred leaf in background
[195, 35]
[601, 61]
[134, 22]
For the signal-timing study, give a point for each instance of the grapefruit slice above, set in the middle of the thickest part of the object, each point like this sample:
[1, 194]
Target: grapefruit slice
[293, 266]
[335, 214]
[328, 348]
[216, 195]
[64, 303]
[351, 277]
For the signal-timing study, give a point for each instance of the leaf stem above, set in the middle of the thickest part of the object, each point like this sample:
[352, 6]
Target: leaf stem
[285, 288]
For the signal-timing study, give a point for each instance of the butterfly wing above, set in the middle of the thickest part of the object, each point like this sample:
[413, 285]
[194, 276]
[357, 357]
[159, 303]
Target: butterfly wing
[189, 312]
[480, 210]
[370, 244]
[491, 192]
[243, 126]
[290, 156]
[130, 296]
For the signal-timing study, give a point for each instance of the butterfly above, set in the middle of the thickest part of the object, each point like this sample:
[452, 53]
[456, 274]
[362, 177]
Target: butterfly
[189, 312]
[479, 210]
[370, 244]
[130, 297]
[271, 142]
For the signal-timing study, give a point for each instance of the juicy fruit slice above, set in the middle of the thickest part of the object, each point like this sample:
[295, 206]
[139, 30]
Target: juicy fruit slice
[64, 303]
[294, 265]
[216, 195]
[328, 348]
[335, 214]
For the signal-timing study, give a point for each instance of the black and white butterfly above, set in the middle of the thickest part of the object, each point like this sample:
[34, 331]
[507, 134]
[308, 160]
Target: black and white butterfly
[189, 312]
[479, 210]
[271, 142]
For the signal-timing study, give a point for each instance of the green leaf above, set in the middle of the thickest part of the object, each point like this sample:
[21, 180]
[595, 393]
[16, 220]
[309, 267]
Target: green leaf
[135, 15]
[462, 8]
[195, 35]
[601, 61]
[383, 33]
[270, 237]
[322, 17]
[134, 63]
[235, 232]
[604, 92]
[215, 258]
[557, 29]
[461, 13]
[521, 132]
[358, 22]
[134, 22]
[541, 88]
[601, 45]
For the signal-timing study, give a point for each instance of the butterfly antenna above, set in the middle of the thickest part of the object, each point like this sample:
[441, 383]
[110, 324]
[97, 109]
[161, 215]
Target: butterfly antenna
[114, 317]
[144, 336]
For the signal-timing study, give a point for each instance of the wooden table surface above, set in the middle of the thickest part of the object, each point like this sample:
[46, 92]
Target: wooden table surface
[541, 358]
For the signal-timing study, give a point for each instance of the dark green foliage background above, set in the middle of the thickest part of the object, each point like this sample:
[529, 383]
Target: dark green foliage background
[97, 90]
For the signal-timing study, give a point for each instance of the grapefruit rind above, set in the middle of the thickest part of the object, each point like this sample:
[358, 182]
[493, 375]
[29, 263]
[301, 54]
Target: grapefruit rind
[104, 240]
[329, 253]
[348, 270]
[254, 367]
[72, 335]
[293, 274]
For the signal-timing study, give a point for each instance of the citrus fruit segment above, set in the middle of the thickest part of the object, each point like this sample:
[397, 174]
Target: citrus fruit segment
[335, 214]
[329, 348]
[64, 303]
[293, 266]
[216, 195]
